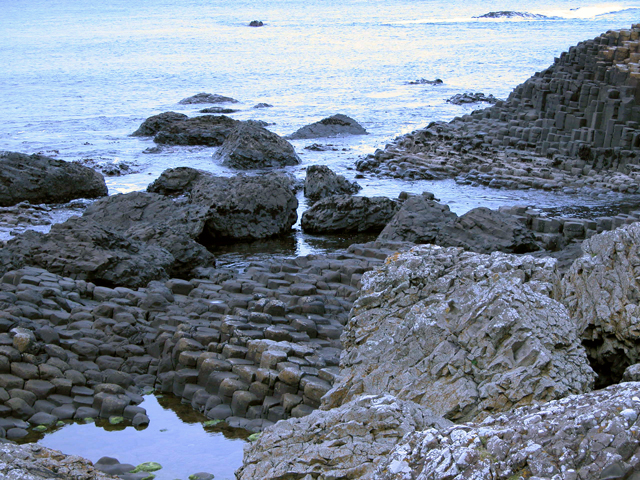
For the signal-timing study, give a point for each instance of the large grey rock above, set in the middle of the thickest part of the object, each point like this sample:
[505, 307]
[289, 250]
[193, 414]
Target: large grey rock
[155, 123]
[251, 146]
[176, 181]
[463, 333]
[83, 249]
[601, 291]
[40, 179]
[209, 130]
[344, 213]
[346, 442]
[419, 221]
[334, 126]
[589, 436]
[206, 98]
[322, 182]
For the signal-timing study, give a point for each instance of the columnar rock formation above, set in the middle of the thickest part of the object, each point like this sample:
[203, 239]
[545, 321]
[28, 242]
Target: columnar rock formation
[562, 128]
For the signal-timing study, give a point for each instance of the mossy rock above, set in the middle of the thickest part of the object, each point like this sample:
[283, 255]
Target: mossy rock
[90, 420]
[253, 437]
[116, 420]
[148, 390]
[151, 476]
[147, 467]
[40, 428]
[60, 423]
[212, 423]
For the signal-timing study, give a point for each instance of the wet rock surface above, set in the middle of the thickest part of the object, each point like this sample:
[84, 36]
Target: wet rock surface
[345, 213]
[511, 14]
[334, 126]
[155, 123]
[321, 182]
[40, 179]
[250, 146]
[208, 130]
[465, 98]
[206, 98]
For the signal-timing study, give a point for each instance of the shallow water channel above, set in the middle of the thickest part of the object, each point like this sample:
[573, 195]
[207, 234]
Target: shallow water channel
[176, 438]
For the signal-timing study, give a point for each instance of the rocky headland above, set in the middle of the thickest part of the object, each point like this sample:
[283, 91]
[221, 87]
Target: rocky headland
[451, 347]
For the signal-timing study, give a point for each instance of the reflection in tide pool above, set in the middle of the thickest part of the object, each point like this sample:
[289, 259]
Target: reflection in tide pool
[175, 438]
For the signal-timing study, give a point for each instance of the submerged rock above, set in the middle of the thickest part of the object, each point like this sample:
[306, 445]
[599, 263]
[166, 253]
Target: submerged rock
[218, 110]
[346, 442]
[334, 126]
[207, 98]
[511, 14]
[463, 333]
[424, 81]
[40, 179]
[250, 145]
[321, 182]
[602, 292]
[256, 23]
[344, 213]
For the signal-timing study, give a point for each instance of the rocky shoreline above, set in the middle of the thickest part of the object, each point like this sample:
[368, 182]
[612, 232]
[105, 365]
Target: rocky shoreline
[451, 347]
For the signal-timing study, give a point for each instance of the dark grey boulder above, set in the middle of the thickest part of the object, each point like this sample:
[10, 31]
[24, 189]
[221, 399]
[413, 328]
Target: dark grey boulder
[424, 81]
[155, 123]
[512, 14]
[262, 105]
[82, 249]
[207, 98]
[40, 179]
[334, 126]
[218, 110]
[176, 181]
[322, 182]
[256, 23]
[466, 98]
[251, 146]
[419, 221]
[345, 213]
[483, 230]
[208, 130]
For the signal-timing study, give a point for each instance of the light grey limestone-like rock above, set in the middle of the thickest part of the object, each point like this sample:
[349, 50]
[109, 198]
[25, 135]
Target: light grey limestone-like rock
[584, 437]
[322, 182]
[465, 334]
[602, 292]
[346, 213]
[34, 462]
[345, 442]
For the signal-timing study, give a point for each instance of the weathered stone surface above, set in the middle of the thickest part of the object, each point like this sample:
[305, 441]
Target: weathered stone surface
[85, 250]
[155, 123]
[465, 98]
[334, 126]
[322, 182]
[250, 146]
[208, 130]
[601, 292]
[419, 221]
[346, 442]
[587, 436]
[40, 179]
[176, 181]
[465, 334]
[345, 213]
[206, 98]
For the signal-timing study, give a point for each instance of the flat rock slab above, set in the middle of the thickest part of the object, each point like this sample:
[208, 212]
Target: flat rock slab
[40, 179]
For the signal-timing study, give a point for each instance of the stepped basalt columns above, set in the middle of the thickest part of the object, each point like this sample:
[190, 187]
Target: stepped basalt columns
[578, 118]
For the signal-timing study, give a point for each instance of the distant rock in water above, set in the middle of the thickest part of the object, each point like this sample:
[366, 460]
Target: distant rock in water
[256, 23]
[40, 179]
[207, 98]
[262, 105]
[334, 126]
[464, 98]
[424, 81]
[218, 110]
[250, 146]
[209, 130]
[511, 14]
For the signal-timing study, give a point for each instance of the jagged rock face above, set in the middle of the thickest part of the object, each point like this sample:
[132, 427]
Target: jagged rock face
[588, 436]
[347, 442]
[322, 182]
[251, 146]
[334, 126]
[463, 333]
[602, 292]
[176, 181]
[84, 250]
[40, 179]
[344, 213]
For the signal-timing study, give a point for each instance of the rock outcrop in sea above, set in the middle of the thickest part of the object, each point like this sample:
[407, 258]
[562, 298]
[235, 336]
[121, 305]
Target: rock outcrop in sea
[333, 126]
